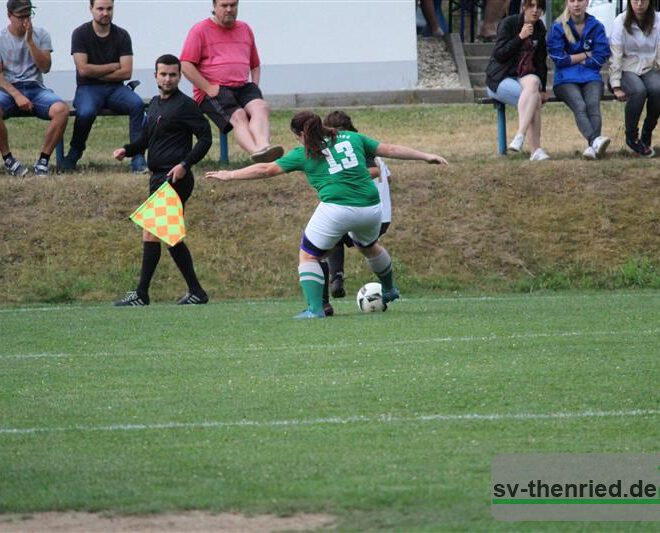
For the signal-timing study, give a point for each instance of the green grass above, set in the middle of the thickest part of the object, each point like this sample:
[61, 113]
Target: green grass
[235, 406]
[484, 224]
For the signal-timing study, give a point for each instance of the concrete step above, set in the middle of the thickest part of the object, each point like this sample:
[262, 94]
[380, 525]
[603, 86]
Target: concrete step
[478, 49]
[477, 63]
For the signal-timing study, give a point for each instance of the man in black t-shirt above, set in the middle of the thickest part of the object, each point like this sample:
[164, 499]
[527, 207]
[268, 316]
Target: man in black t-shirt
[172, 120]
[103, 55]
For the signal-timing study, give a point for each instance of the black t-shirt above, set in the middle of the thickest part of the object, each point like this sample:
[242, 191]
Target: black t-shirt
[99, 50]
[168, 134]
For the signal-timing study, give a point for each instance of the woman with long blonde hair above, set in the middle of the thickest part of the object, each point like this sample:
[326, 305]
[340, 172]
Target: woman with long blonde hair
[578, 46]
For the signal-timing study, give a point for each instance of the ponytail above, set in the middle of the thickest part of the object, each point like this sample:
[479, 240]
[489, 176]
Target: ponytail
[315, 133]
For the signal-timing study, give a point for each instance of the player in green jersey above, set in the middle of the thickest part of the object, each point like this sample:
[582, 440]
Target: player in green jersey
[335, 165]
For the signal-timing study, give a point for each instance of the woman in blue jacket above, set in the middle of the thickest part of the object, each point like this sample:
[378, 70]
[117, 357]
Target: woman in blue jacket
[578, 46]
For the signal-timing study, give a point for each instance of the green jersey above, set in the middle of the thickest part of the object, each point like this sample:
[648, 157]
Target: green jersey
[341, 176]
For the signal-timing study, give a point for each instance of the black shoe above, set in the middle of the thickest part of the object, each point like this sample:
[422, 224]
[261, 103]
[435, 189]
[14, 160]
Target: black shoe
[639, 147]
[193, 298]
[337, 286]
[69, 161]
[132, 299]
[328, 309]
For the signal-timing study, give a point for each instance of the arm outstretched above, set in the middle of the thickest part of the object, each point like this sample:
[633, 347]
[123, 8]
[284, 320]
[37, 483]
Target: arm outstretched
[397, 151]
[257, 171]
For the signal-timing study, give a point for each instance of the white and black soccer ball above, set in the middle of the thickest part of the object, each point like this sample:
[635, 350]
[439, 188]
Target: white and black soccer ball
[370, 298]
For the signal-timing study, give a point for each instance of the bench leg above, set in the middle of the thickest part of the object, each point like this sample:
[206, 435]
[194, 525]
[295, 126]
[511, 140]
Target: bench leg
[59, 153]
[501, 128]
[224, 148]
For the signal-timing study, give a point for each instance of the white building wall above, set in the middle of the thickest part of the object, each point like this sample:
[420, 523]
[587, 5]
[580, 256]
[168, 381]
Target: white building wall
[306, 46]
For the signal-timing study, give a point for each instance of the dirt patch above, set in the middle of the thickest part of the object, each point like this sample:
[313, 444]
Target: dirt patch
[196, 521]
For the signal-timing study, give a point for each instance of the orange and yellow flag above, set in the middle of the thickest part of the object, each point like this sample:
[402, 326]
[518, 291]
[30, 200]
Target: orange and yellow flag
[162, 215]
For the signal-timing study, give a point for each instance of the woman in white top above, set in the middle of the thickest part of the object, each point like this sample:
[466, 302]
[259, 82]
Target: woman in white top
[635, 71]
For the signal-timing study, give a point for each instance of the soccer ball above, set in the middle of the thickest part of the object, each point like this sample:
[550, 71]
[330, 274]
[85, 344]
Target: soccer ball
[370, 298]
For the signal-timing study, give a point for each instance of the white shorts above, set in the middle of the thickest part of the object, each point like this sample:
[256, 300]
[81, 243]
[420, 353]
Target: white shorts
[330, 222]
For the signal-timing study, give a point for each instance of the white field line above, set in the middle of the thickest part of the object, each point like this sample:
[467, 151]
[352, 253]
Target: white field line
[356, 419]
[304, 348]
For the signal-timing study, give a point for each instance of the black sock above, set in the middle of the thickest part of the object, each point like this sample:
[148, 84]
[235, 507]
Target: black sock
[184, 262]
[45, 156]
[8, 156]
[326, 281]
[336, 260]
[150, 258]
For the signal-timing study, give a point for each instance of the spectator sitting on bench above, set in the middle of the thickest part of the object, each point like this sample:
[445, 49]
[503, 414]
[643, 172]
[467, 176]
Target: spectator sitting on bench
[579, 48]
[517, 73]
[219, 57]
[24, 57]
[634, 71]
[103, 55]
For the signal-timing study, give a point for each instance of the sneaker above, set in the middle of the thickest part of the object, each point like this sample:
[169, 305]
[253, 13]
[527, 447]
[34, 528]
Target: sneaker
[600, 144]
[337, 286]
[391, 295]
[132, 299]
[637, 146]
[268, 154]
[539, 155]
[590, 153]
[309, 314]
[328, 309]
[40, 168]
[15, 167]
[192, 298]
[139, 165]
[517, 143]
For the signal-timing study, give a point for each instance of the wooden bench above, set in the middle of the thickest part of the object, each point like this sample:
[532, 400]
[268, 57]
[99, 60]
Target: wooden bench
[501, 117]
[59, 149]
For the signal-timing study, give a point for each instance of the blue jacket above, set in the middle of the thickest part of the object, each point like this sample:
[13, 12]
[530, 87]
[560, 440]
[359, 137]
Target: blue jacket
[593, 39]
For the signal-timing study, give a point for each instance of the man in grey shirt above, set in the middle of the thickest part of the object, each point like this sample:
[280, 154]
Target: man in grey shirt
[24, 58]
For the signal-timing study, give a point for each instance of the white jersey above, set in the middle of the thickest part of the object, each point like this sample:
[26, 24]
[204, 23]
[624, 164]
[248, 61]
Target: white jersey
[383, 186]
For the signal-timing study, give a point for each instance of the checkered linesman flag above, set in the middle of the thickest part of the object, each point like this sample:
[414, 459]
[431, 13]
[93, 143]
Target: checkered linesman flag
[162, 215]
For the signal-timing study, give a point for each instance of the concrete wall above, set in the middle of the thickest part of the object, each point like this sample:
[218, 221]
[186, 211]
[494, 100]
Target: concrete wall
[306, 46]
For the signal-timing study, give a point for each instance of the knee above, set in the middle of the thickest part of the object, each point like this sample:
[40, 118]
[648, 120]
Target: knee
[259, 107]
[148, 237]
[86, 113]
[638, 93]
[59, 111]
[136, 107]
[239, 118]
[581, 108]
[305, 257]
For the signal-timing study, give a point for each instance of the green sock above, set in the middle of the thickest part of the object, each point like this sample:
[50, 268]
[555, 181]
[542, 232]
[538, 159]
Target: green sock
[381, 265]
[311, 281]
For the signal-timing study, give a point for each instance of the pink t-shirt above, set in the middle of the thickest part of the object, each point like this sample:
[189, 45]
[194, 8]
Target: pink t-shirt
[224, 56]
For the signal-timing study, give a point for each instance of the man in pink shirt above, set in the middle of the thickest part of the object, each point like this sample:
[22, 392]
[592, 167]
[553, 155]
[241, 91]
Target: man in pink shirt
[219, 57]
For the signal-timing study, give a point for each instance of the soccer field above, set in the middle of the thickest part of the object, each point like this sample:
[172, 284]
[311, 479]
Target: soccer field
[384, 421]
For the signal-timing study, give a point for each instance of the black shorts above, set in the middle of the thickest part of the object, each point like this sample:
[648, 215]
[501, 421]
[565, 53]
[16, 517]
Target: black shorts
[229, 99]
[183, 187]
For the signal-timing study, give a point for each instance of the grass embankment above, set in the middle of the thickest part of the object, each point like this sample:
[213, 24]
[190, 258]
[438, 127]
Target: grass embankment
[486, 223]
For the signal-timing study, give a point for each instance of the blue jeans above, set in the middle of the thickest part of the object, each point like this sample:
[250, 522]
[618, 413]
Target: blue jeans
[584, 100]
[42, 99]
[90, 99]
